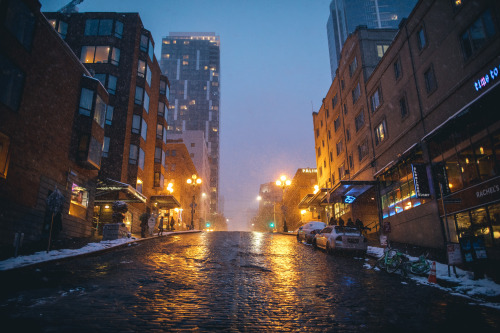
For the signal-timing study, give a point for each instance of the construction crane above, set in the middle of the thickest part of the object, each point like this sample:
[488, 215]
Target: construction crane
[70, 7]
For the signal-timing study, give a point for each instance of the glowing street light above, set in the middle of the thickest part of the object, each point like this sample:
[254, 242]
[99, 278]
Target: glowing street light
[283, 182]
[193, 181]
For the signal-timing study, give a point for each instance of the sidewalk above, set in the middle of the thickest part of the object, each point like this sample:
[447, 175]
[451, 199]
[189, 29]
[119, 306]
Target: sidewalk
[71, 248]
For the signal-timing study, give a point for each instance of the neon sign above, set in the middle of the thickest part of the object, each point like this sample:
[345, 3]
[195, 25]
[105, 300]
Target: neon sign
[349, 199]
[487, 79]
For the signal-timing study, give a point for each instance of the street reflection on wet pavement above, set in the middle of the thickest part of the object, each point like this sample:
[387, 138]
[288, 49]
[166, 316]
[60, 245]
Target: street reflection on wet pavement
[234, 281]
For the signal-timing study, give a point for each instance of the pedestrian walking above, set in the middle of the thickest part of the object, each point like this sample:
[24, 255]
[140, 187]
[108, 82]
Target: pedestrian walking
[172, 223]
[341, 222]
[333, 221]
[350, 223]
[160, 226]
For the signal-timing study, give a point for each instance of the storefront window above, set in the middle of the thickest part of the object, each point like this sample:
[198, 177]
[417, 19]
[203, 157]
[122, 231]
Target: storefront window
[79, 201]
[468, 166]
[453, 174]
[480, 225]
[463, 224]
[485, 158]
[494, 211]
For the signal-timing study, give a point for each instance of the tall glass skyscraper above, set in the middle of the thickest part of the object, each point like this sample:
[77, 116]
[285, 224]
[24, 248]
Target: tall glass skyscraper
[346, 15]
[192, 63]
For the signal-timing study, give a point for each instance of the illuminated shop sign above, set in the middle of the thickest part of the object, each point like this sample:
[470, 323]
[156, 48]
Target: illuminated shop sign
[420, 181]
[487, 79]
[349, 199]
[309, 170]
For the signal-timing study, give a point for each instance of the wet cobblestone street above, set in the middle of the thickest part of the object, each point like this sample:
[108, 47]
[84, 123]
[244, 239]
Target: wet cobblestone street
[232, 281]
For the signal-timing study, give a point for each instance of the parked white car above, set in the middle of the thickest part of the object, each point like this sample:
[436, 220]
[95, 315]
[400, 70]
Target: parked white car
[306, 232]
[341, 238]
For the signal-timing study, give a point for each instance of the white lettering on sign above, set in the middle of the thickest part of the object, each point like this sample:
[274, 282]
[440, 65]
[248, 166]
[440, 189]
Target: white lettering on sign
[309, 170]
[488, 191]
[485, 80]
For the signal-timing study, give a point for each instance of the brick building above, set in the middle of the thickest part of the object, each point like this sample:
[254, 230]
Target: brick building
[52, 115]
[432, 129]
[302, 183]
[119, 51]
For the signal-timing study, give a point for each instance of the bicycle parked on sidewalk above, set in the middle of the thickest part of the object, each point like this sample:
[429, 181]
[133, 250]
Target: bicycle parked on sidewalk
[421, 266]
[392, 260]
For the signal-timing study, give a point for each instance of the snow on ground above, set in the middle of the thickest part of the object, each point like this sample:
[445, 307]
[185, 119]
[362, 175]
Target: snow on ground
[43, 256]
[464, 285]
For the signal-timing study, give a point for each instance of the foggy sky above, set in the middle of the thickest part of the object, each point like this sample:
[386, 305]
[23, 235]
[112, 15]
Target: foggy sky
[274, 73]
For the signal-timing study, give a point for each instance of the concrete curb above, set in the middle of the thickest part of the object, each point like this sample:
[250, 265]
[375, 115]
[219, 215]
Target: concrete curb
[90, 253]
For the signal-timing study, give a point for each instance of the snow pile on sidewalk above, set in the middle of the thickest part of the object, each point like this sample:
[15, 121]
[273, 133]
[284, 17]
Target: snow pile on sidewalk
[43, 256]
[463, 285]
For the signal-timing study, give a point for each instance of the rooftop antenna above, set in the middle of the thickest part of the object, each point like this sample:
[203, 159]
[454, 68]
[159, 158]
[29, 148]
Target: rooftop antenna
[70, 7]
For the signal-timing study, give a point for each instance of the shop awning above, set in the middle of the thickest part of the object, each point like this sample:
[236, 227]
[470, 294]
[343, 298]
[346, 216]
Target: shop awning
[314, 200]
[109, 190]
[165, 201]
[304, 203]
[353, 188]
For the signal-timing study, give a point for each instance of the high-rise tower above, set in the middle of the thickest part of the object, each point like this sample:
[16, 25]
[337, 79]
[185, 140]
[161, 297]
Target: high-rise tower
[192, 63]
[345, 16]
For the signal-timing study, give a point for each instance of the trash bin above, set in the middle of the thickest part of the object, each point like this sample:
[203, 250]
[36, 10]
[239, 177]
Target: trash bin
[112, 231]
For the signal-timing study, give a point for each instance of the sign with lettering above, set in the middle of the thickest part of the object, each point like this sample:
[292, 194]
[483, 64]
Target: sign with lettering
[309, 170]
[487, 79]
[420, 181]
[348, 199]
[488, 191]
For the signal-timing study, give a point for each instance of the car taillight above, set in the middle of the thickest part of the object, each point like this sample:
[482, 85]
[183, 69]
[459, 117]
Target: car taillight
[339, 238]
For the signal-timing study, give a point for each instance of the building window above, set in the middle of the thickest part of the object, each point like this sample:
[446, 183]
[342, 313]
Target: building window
[397, 69]
[139, 95]
[4, 155]
[375, 99]
[100, 111]
[60, 26]
[105, 147]
[319, 151]
[158, 154]
[144, 129]
[148, 76]
[146, 102]
[430, 80]
[380, 132]
[11, 84]
[164, 135]
[95, 27]
[339, 147]
[174, 152]
[356, 92]
[161, 109]
[329, 135]
[20, 21]
[336, 123]
[359, 121]
[345, 108]
[100, 54]
[141, 158]
[86, 101]
[334, 102]
[381, 49]
[163, 88]
[136, 124]
[351, 161]
[157, 179]
[141, 68]
[95, 151]
[352, 67]
[331, 157]
[118, 29]
[421, 38]
[151, 51]
[363, 150]
[163, 158]
[138, 185]
[478, 34]
[342, 171]
[347, 134]
[403, 107]
[317, 132]
[79, 201]
[112, 84]
[159, 131]
[144, 43]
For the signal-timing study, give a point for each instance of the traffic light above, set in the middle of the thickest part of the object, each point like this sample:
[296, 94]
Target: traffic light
[271, 224]
[208, 224]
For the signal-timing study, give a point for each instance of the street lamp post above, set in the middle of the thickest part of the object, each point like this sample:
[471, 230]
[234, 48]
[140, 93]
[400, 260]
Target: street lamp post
[194, 180]
[283, 182]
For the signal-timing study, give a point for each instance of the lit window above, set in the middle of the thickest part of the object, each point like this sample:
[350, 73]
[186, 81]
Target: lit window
[141, 68]
[381, 50]
[380, 132]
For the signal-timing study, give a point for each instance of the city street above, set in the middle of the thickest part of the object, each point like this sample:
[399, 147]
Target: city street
[234, 281]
